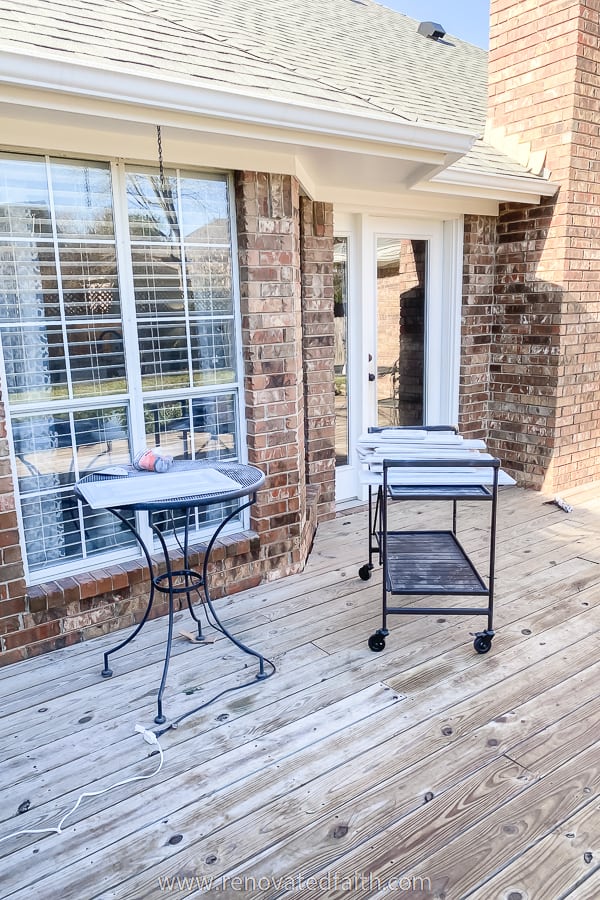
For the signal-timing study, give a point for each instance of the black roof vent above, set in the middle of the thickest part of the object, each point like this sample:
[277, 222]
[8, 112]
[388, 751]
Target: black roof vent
[431, 30]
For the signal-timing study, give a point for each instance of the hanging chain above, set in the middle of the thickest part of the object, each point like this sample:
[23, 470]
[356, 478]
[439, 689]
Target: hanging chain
[167, 198]
[161, 168]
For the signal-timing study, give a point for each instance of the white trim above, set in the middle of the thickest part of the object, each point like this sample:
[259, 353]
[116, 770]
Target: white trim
[505, 188]
[425, 205]
[325, 163]
[240, 373]
[345, 475]
[96, 82]
[452, 287]
[517, 183]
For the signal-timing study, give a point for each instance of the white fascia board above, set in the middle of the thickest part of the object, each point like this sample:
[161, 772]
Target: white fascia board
[504, 188]
[32, 100]
[94, 82]
[431, 205]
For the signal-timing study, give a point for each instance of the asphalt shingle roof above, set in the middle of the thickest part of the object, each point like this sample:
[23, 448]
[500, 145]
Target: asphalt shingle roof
[349, 55]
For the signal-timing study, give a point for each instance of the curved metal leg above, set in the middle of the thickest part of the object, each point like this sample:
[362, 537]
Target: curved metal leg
[261, 660]
[107, 671]
[200, 635]
[160, 718]
[191, 584]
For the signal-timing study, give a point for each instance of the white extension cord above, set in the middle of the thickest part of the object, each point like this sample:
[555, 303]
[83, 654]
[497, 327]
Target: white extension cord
[149, 737]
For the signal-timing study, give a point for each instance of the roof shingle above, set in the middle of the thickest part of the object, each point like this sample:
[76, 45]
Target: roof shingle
[343, 55]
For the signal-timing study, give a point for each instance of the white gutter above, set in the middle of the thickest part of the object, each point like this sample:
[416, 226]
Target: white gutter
[495, 184]
[95, 82]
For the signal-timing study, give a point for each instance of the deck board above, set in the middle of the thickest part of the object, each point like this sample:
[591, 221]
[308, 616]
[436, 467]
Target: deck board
[423, 761]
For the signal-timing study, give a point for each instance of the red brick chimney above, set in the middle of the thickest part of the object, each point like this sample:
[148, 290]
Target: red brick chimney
[544, 102]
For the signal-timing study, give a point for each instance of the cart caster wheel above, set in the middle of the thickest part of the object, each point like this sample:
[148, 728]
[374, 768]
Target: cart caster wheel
[482, 643]
[377, 642]
[364, 572]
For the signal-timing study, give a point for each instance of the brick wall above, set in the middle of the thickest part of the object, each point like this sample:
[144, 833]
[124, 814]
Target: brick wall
[268, 215]
[544, 85]
[13, 605]
[318, 345]
[476, 324]
[525, 355]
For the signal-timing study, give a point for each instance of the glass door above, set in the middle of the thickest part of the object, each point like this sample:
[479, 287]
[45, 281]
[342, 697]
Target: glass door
[397, 302]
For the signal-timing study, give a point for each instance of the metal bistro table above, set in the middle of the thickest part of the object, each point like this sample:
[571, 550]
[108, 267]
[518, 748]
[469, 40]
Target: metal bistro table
[188, 485]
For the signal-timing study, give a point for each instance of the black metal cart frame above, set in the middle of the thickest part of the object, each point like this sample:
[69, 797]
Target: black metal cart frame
[432, 562]
[374, 546]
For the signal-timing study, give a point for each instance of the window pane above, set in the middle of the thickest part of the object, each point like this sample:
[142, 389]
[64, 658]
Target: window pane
[205, 209]
[28, 282]
[163, 355]
[31, 359]
[152, 207]
[52, 452]
[89, 280]
[157, 278]
[82, 199]
[401, 291]
[195, 428]
[97, 359]
[25, 204]
[209, 282]
[68, 444]
[212, 352]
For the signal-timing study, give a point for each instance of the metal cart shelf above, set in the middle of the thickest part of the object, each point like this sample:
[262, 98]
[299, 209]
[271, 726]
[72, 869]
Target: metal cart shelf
[432, 562]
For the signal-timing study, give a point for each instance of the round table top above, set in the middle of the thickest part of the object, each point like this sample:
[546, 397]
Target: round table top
[247, 479]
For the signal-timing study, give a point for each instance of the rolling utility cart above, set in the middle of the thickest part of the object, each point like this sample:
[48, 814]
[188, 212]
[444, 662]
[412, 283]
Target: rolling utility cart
[374, 546]
[434, 562]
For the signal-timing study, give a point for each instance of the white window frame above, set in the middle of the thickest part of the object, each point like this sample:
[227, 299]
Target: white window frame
[134, 398]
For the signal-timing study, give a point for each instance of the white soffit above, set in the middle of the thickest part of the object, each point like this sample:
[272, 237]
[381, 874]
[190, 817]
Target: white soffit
[328, 150]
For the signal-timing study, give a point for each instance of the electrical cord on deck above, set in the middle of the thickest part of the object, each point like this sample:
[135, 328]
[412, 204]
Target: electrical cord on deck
[236, 687]
[150, 737]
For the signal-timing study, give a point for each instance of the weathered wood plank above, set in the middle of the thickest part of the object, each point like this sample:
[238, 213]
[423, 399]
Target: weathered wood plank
[553, 865]
[251, 830]
[484, 843]
[588, 890]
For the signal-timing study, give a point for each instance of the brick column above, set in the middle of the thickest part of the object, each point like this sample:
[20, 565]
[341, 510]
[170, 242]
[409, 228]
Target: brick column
[316, 224]
[544, 85]
[269, 255]
[525, 354]
[476, 325]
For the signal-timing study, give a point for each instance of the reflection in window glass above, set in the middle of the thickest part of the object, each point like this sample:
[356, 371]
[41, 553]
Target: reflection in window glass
[67, 363]
[182, 279]
[401, 291]
[340, 312]
[196, 428]
[53, 450]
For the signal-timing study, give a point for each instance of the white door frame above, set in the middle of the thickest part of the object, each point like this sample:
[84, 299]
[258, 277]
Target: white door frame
[442, 328]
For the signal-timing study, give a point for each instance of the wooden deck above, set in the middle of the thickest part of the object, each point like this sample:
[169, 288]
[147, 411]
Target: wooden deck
[425, 770]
